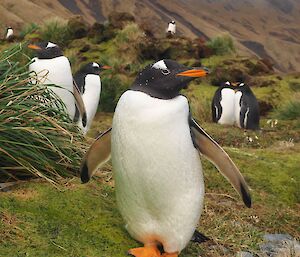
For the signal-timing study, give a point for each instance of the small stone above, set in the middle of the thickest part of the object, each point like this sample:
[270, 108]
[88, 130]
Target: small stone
[280, 245]
[277, 237]
[244, 254]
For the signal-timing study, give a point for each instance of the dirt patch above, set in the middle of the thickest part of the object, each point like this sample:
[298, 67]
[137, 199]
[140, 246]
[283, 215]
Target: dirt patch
[24, 194]
[9, 227]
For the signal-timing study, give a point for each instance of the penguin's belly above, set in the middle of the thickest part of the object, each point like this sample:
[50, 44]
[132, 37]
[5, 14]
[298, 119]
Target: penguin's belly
[91, 99]
[227, 103]
[237, 108]
[57, 71]
[157, 169]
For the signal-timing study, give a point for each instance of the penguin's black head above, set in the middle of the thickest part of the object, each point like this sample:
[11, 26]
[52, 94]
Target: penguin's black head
[8, 28]
[240, 86]
[93, 68]
[165, 78]
[46, 50]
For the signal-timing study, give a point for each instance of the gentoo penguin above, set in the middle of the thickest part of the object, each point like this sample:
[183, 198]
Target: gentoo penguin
[235, 104]
[52, 67]
[88, 81]
[154, 143]
[171, 28]
[223, 110]
[246, 107]
[9, 34]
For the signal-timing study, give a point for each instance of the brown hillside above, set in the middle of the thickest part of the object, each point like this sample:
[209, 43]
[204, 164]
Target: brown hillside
[267, 28]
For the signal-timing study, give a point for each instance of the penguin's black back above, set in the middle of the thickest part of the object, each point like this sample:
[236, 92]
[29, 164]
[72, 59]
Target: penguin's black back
[216, 102]
[249, 104]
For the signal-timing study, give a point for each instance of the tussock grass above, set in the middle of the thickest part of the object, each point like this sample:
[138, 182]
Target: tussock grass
[37, 138]
[55, 30]
[221, 45]
[290, 110]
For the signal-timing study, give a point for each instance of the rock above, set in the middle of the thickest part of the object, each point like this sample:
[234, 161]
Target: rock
[280, 245]
[244, 254]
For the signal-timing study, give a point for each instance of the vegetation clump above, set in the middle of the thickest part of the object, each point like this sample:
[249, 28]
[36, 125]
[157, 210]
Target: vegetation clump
[221, 45]
[37, 138]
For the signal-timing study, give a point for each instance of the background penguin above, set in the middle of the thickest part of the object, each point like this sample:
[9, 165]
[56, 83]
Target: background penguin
[223, 105]
[52, 67]
[171, 30]
[9, 34]
[246, 107]
[89, 83]
[153, 143]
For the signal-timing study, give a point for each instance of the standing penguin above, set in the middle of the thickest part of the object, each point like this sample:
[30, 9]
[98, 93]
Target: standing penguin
[9, 34]
[235, 104]
[89, 83]
[154, 144]
[223, 105]
[52, 67]
[171, 30]
[246, 107]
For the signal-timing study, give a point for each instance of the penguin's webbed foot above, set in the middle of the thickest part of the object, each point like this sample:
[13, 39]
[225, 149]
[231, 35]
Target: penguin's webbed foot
[146, 251]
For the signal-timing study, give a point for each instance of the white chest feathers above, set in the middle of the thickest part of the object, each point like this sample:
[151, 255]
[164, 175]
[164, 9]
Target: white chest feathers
[157, 169]
[56, 71]
[9, 33]
[171, 28]
[230, 103]
[91, 97]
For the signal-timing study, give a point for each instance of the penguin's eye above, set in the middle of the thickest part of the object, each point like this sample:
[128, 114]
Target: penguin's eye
[165, 72]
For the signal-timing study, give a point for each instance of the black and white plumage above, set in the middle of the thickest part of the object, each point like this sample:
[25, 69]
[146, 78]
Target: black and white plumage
[9, 33]
[235, 104]
[89, 83]
[52, 67]
[154, 144]
[247, 108]
[171, 28]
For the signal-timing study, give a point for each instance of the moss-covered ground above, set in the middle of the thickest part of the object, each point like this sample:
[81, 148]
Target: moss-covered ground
[38, 219]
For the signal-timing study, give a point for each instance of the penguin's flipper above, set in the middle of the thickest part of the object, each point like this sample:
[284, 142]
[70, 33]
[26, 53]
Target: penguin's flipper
[79, 103]
[216, 108]
[249, 114]
[198, 237]
[97, 155]
[214, 153]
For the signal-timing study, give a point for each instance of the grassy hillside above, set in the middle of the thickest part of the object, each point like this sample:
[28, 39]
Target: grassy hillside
[71, 219]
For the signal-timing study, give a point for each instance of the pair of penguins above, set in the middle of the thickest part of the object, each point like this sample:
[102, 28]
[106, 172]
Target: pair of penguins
[235, 104]
[155, 146]
[80, 95]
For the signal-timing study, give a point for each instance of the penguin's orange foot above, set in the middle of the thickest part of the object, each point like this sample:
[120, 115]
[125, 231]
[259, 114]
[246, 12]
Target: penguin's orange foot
[170, 255]
[147, 251]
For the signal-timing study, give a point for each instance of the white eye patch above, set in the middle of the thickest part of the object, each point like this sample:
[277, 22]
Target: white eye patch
[242, 84]
[50, 44]
[160, 65]
[95, 65]
[227, 83]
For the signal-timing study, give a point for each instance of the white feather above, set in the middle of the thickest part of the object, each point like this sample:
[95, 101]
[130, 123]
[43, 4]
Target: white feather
[237, 108]
[56, 71]
[227, 103]
[9, 33]
[158, 173]
[91, 99]
[246, 118]
[171, 28]
[160, 65]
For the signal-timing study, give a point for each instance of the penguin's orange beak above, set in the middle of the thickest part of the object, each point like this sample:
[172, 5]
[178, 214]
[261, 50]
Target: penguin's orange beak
[34, 47]
[193, 73]
[106, 67]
